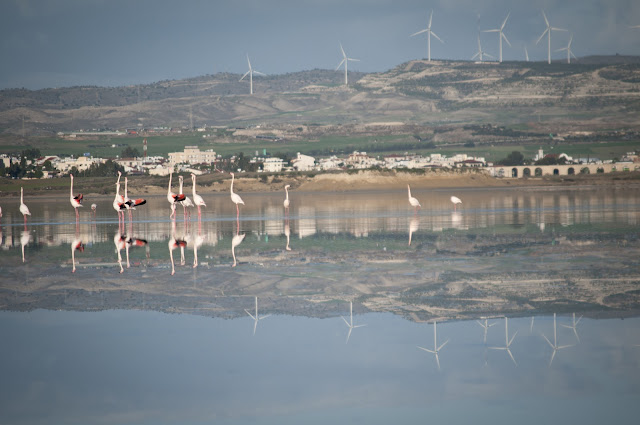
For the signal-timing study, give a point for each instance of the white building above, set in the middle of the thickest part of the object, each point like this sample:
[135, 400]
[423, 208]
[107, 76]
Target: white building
[192, 155]
[82, 163]
[272, 165]
[303, 162]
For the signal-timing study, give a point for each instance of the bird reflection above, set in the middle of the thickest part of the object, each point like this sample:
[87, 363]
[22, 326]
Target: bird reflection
[237, 239]
[287, 233]
[173, 244]
[197, 243]
[255, 316]
[507, 343]
[414, 225]
[350, 322]
[555, 345]
[436, 349]
[25, 238]
[132, 242]
[75, 244]
[119, 241]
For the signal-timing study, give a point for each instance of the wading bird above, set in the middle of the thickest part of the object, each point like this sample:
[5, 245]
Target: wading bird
[23, 208]
[235, 198]
[286, 199]
[173, 198]
[197, 199]
[413, 201]
[76, 201]
[187, 203]
[455, 200]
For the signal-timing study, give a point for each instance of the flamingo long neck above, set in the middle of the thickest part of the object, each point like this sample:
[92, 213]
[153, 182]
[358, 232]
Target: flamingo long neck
[193, 186]
[232, 178]
[409, 190]
[286, 189]
[169, 189]
[181, 181]
[117, 191]
[21, 197]
[125, 188]
[71, 190]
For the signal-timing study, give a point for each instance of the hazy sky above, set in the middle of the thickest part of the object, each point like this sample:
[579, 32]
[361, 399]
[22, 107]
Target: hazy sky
[54, 43]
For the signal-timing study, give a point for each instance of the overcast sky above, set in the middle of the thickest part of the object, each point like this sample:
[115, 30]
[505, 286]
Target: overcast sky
[55, 43]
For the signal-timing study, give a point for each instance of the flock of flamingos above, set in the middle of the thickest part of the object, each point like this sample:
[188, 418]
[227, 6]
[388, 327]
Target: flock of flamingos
[122, 203]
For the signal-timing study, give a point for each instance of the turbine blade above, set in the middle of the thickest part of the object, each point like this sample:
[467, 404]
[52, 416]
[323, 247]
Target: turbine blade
[505, 21]
[348, 335]
[353, 60]
[264, 317]
[419, 32]
[245, 74]
[574, 56]
[438, 361]
[430, 18]
[552, 356]
[247, 311]
[248, 61]
[512, 338]
[540, 38]
[545, 18]
[549, 342]
[342, 50]
[259, 73]
[564, 346]
[345, 321]
[558, 29]
[340, 64]
[496, 30]
[491, 56]
[439, 39]
[440, 348]
[505, 38]
[427, 350]
[358, 326]
[512, 358]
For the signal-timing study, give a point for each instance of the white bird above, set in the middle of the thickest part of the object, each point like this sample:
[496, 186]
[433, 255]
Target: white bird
[286, 199]
[23, 208]
[118, 204]
[93, 208]
[187, 202]
[413, 201]
[235, 198]
[173, 198]
[76, 201]
[455, 200]
[197, 199]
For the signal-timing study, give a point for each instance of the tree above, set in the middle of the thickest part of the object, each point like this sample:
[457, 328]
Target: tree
[129, 152]
[514, 158]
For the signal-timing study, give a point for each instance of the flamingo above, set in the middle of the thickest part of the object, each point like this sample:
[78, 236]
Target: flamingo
[173, 244]
[93, 209]
[235, 198]
[286, 199]
[455, 201]
[413, 201]
[0, 212]
[131, 204]
[23, 208]
[197, 199]
[173, 198]
[76, 201]
[118, 204]
[187, 202]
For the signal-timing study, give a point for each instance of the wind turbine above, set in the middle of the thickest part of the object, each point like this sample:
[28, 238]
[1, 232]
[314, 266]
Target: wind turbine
[429, 34]
[436, 349]
[573, 325]
[507, 343]
[350, 322]
[555, 346]
[548, 32]
[480, 54]
[250, 73]
[568, 49]
[255, 317]
[501, 35]
[345, 60]
[486, 327]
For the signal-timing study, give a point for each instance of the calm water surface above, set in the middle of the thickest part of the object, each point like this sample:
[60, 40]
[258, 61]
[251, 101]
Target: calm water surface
[152, 323]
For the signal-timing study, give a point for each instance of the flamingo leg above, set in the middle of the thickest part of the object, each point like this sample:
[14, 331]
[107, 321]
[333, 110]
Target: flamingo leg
[237, 212]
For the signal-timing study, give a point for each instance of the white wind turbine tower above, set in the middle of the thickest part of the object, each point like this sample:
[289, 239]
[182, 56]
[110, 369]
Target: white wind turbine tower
[568, 49]
[345, 60]
[255, 317]
[555, 346]
[350, 322]
[501, 35]
[436, 349]
[250, 73]
[429, 34]
[548, 32]
[480, 54]
[507, 343]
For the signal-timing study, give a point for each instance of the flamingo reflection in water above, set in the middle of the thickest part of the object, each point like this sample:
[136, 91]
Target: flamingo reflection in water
[414, 225]
[119, 240]
[173, 244]
[25, 238]
[76, 244]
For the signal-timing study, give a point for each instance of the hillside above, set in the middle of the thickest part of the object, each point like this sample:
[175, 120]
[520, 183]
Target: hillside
[597, 92]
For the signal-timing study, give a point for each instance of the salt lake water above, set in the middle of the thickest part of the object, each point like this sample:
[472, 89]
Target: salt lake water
[152, 323]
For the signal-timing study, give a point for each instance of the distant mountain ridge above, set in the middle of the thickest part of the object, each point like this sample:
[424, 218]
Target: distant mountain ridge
[412, 91]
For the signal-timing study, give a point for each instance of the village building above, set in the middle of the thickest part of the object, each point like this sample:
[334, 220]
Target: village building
[192, 155]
